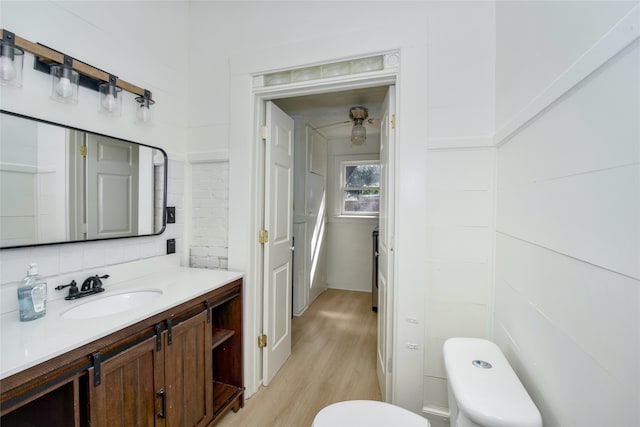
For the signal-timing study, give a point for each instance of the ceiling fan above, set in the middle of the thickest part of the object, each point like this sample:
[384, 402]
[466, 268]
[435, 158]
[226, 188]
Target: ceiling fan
[359, 116]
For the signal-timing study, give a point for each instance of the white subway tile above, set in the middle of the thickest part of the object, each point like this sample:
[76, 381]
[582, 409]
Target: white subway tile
[14, 264]
[47, 258]
[93, 255]
[71, 257]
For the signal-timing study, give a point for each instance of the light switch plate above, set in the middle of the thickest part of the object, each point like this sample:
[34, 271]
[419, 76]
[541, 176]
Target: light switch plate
[171, 246]
[171, 214]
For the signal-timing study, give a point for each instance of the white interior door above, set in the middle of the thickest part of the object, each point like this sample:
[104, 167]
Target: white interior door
[385, 245]
[112, 187]
[277, 251]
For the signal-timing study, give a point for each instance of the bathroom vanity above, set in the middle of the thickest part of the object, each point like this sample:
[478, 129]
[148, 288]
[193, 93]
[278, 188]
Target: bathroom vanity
[175, 360]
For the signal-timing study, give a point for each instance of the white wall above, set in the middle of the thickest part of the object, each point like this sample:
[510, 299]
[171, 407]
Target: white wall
[349, 245]
[137, 52]
[567, 288]
[459, 257]
[445, 92]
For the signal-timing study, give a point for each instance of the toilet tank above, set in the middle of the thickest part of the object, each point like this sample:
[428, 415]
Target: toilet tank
[483, 388]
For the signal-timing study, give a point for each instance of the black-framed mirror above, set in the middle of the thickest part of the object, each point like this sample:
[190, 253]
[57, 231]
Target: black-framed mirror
[61, 184]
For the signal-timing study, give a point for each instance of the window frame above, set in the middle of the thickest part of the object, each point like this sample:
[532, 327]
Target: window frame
[343, 188]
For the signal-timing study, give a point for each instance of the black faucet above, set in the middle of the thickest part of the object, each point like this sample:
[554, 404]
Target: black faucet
[91, 285]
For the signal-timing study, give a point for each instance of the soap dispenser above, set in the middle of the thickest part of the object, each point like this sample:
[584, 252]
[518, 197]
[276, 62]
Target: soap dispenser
[32, 295]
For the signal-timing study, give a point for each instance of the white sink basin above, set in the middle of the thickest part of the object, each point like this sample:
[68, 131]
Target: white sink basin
[111, 304]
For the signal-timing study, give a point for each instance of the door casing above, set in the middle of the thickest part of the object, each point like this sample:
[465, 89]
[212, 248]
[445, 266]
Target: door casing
[254, 326]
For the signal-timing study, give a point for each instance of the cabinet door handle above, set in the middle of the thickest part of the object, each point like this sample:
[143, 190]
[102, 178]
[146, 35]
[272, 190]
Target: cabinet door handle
[163, 396]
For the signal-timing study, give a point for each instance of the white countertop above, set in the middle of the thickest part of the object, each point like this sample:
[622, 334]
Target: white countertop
[26, 344]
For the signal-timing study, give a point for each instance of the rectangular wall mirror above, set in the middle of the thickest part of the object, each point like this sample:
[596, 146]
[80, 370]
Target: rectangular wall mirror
[61, 184]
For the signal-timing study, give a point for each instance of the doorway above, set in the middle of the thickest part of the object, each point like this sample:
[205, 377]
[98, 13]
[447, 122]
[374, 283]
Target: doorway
[332, 223]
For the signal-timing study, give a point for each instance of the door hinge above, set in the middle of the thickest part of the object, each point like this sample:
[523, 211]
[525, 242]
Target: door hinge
[83, 150]
[390, 366]
[393, 121]
[263, 237]
[264, 133]
[262, 341]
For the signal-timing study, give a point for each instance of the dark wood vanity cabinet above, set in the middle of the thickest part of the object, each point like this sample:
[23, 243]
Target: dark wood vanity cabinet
[126, 394]
[180, 368]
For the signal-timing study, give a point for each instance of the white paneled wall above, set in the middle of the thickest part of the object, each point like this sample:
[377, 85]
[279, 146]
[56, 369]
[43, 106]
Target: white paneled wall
[446, 91]
[132, 53]
[209, 218]
[460, 224]
[567, 288]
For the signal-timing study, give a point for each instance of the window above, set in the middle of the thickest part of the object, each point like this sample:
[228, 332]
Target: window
[360, 187]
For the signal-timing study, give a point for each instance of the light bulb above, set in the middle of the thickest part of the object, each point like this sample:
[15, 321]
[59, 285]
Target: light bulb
[64, 87]
[358, 134]
[109, 102]
[7, 69]
[143, 114]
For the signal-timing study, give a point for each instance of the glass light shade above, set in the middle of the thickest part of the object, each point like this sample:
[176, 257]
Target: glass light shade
[143, 112]
[110, 99]
[11, 59]
[358, 133]
[64, 84]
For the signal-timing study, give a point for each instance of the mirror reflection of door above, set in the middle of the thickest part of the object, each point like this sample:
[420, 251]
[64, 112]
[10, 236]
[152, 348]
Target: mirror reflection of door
[112, 187]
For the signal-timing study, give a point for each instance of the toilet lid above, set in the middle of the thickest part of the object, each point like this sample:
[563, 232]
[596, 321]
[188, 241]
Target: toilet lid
[361, 413]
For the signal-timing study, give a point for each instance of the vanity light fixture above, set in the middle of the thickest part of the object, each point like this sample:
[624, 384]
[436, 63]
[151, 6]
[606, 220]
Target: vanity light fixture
[358, 132]
[67, 73]
[11, 58]
[110, 97]
[143, 113]
[64, 82]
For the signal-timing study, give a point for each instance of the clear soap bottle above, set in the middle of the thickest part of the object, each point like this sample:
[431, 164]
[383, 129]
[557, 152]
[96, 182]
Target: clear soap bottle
[32, 295]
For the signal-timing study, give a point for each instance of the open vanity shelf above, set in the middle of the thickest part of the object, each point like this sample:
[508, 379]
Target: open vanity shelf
[181, 367]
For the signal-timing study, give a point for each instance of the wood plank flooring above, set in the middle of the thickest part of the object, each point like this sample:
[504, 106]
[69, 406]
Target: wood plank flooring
[333, 359]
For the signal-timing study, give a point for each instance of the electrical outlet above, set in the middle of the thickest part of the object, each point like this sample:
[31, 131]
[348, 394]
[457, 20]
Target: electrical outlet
[171, 246]
[171, 214]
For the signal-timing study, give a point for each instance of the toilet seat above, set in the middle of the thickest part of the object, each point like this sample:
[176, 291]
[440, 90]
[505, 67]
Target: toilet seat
[367, 413]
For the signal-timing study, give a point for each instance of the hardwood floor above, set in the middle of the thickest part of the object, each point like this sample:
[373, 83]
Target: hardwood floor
[333, 359]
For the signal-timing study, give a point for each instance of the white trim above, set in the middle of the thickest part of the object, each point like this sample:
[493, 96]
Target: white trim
[626, 31]
[18, 167]
[356, 81]
[260, 96]
[433, 412]
[463, 142]
[343, 187]
[178, 157]
[334, 186]
[217, 156]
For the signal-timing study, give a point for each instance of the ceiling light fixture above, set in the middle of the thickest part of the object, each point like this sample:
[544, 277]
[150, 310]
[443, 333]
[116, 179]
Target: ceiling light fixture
[358, 132]
[67, 74]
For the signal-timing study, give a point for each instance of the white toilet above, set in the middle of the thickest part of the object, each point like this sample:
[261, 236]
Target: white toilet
[483, 389]
[367, 413]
